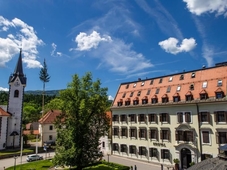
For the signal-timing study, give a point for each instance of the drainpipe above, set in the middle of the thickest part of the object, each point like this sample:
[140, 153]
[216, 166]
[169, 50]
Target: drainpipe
[200, 139]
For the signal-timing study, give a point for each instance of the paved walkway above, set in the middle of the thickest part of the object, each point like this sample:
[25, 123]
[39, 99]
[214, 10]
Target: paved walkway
[131, 162]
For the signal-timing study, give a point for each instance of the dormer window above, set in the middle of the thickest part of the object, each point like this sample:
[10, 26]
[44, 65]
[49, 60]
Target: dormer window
[157, 91]
[145, 100]
[203, 95]
[127, 86]
[193, 75]
[136, 101]
[120, 102]
[154, 99]
[142, 84]
[127, 102]
[165, 99]
[160, 80]
[188, 96]
[181, 77]
[152, 81]
[148, 92]
[219, 83]
[123, 96]
[134, 85]
[178, 88]
[131, 94]
[219, 94]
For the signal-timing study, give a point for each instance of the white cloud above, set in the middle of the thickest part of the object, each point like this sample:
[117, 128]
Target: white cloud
[171, 45]
[87, 42]
[199, 7]
[55, 53]
[20, 35]
[110, 97]
[4, 89]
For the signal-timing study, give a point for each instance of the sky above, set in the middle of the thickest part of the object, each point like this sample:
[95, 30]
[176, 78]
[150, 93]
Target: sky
[116, 40]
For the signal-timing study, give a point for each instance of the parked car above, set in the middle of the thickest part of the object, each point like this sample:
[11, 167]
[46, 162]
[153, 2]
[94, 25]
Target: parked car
[34, 157]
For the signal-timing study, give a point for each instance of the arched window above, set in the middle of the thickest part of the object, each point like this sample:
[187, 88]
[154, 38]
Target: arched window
[16, 93]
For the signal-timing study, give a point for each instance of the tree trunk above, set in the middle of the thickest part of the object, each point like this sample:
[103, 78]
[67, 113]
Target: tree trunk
[176, 166]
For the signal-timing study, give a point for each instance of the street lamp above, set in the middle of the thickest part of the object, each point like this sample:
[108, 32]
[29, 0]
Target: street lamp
[15, 157]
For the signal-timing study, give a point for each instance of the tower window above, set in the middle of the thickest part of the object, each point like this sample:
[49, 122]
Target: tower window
[16, 93]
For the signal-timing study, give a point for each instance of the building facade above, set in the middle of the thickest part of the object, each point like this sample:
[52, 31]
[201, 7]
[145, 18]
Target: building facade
[180, 116]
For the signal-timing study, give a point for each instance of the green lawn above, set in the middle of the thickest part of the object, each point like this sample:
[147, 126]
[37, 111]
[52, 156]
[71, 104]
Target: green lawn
[9, 152]
[36, 165]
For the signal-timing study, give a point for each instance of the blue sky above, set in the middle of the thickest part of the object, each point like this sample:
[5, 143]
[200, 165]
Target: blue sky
[117, 40]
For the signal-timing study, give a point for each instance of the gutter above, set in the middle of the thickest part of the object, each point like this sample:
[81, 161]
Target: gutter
[200, 139]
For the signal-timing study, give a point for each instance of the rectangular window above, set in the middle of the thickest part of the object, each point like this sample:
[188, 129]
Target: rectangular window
[139, 92]
[115, 147]
[148, 92]
[123, 118]
[164, 134]
[178, 88]
[221, 137]
[189, 97]
[164, 117]
[204, 117]
[50, 137]
[153, 152]
[132, 149]
[141, 118]
[219, 95]
[152, 118]
[152, 81]
[154, 134]
[176, 98]
[220, 116]
[50, 127]
[143, 133]
[157, 91]
[154, 100]
[184, 136]
[219, 83]
[115, 131]
[133, 132]
[115, 118]
[165, 154]
[168, 89]
[205, 84]
[206, 138]
[131, 94]
[124, 148]
[187, 117]
[180, 117]
[142, 150]
[124, 132]
[133, 117]
[160, 80]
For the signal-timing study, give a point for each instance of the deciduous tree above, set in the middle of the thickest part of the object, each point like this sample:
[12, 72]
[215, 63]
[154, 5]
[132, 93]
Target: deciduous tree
[82, 122]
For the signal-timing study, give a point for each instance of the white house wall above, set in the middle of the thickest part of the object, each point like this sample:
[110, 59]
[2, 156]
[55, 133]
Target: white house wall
[3, 133]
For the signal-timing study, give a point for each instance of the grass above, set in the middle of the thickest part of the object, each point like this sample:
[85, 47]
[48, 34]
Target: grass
[100, 167]
[36, 165]
[16, 152]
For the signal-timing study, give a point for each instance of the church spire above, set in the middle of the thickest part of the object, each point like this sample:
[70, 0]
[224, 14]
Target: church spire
[18, 72]
[19, 69]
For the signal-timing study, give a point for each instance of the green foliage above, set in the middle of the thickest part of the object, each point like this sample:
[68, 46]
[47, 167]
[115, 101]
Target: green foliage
[82, 122]
[43, 75]
[192, 163]
[3, 97]
[176, 161]
[30, 113]
[55, 104]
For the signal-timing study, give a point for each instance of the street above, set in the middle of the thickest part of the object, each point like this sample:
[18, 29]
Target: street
[112, 158]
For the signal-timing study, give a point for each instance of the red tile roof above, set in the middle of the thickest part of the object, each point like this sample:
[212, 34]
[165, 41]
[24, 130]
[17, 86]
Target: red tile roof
[3, 112]
[49, 117]
[28, 132]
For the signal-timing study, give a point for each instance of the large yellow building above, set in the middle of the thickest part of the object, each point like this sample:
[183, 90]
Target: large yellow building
[179, 116]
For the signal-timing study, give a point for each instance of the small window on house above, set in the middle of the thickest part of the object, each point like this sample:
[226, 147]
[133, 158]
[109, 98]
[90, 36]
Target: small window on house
[193, 75]
[191, 87]
[219, 82]
[16, 93]
[50, 127]
[170, 79]
[152, 81]
[50, 137]
[205, 84]
[165, 154]
[103, 144]
[142, 84]
[134, 85]
[154, 100]
[148, 92]
[160, 80]
[139, 92]
[131, 94]
[123, 96]
[206, 137]
[181, 77]
[168, 89]
[178, 88]
[127, 86]
[157, 91]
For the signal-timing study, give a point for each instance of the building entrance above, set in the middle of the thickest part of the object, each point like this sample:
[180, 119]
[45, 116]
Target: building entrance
[186, 158]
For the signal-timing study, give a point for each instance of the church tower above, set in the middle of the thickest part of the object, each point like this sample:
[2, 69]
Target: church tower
[17, 83]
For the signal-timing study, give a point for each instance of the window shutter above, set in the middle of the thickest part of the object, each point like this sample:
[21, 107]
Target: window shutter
[178, 117]
[155, 118]
[176, 136]
[160, 116]
[215, 116]
[145, 118]
[161, 134]
[139, 133]
[126, 134]
[151, 152]
[162, 154]
[156, 134]
[199, 115]
[145, 133]
[139, 117]
[150, 133]
[192, 136]
[217, 137]
[208, 117]
[136, 133]
[168, 117]
[130, 135]
[168, 135]
[226, 117]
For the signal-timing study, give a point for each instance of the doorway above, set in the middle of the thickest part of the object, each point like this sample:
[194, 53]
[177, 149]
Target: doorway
[186, 158]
